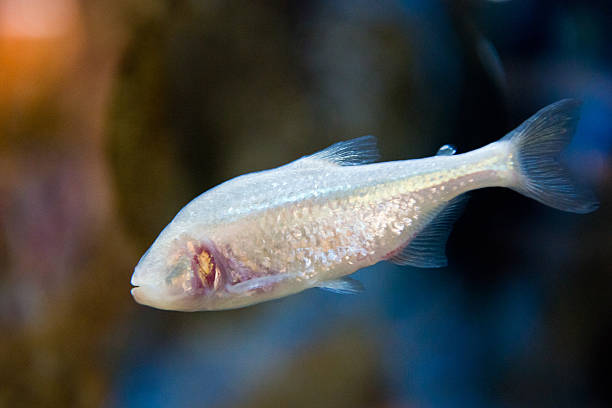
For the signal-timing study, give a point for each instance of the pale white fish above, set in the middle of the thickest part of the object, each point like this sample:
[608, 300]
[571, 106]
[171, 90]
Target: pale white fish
[314, 221]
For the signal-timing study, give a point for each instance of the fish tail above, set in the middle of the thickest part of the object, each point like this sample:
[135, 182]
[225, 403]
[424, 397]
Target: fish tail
[536, 147]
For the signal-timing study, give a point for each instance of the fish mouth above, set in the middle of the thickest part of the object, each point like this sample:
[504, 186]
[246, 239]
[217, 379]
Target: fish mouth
[144, 291]
[137, 290]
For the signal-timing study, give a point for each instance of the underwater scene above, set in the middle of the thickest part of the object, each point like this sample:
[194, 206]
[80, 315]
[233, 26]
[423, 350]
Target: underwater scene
[309, 285]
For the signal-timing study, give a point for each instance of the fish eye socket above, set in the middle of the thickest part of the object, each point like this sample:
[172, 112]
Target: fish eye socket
[194, 271]
[205, 267]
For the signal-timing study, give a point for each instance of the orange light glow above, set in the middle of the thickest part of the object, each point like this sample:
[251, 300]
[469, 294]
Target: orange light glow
[39, 41]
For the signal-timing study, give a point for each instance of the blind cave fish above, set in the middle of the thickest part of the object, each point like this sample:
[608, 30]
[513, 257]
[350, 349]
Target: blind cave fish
[314, 221]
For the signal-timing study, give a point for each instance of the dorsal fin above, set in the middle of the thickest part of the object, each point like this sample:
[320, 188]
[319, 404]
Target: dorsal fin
[354, 152]
[446, 150]
[427, 248]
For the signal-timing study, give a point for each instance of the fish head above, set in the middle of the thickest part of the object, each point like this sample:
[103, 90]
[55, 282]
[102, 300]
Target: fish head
[180, 274]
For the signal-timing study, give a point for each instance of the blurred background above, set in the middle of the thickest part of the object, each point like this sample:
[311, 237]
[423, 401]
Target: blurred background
[114, 114]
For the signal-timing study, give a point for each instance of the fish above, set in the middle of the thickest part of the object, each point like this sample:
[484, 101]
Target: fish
[314, 221]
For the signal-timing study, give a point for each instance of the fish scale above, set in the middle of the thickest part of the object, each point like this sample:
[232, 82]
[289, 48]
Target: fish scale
[359, 223]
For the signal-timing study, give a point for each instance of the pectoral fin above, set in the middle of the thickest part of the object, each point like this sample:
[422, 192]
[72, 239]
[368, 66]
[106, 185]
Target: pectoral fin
[345, 286]
[262, 283]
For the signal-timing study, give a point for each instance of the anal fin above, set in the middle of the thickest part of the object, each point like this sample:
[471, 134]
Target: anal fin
[427, 248]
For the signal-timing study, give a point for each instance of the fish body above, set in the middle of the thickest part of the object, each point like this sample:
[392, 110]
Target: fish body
[314, 221]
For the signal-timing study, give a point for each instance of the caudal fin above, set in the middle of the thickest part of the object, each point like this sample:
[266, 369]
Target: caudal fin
[538, 142]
